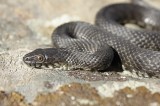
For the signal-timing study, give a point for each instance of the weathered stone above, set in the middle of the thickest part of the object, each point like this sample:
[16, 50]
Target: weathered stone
[12, 99]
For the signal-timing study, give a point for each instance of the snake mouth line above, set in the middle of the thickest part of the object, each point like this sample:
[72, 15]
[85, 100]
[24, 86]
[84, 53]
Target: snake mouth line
[50, 66]
[33, 64]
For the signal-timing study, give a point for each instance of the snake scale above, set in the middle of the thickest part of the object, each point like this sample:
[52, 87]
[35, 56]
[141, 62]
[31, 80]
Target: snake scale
[83, 45]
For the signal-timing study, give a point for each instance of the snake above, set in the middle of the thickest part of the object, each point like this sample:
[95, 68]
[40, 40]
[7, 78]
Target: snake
[79, 44]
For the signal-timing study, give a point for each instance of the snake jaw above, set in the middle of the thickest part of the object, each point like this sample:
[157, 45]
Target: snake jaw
[38, 65]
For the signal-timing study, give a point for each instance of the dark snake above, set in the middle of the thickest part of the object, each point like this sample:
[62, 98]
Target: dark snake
[83, 45]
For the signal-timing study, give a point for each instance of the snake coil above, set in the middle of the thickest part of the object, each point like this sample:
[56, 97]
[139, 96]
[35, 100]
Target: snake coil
[83, 45]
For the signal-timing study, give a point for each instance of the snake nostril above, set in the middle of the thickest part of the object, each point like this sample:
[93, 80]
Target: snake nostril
[26, 59]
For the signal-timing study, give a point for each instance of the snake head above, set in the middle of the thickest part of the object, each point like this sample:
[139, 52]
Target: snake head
[35, 58]
[44, 57]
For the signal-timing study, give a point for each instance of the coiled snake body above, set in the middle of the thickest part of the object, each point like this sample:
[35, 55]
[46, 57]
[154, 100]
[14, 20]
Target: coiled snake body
[82, 45]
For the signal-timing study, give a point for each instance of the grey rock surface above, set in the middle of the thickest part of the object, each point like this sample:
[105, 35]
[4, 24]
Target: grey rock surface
[27, 25]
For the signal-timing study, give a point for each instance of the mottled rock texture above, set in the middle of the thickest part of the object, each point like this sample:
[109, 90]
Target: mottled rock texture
[76, 94]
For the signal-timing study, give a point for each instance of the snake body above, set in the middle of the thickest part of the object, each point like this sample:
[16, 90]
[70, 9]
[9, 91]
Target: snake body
[83, 45]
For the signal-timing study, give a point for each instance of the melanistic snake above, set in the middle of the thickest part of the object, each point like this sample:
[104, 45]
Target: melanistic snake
[82, 45]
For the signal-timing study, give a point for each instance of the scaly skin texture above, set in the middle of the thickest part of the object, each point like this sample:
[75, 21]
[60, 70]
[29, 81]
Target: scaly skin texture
[83, 45]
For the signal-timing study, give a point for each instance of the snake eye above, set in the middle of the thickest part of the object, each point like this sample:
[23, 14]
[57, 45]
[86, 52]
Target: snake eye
[40, 58]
